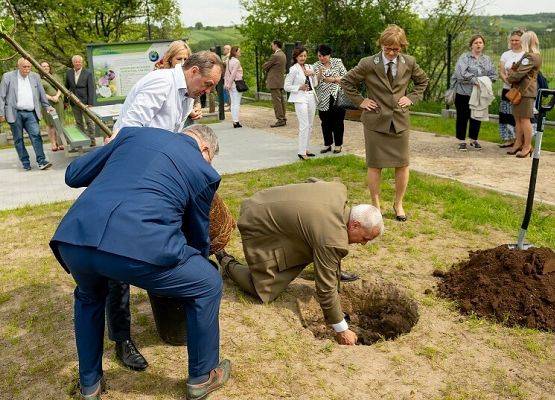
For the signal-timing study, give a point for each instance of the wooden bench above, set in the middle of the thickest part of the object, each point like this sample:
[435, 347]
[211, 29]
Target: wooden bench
[75, 142]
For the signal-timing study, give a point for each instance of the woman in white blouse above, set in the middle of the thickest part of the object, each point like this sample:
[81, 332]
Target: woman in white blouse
[300, 82]
[234, 72]
[508, 58]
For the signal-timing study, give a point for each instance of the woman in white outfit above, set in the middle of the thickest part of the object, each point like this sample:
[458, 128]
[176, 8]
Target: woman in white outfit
[300, 82]
[234, 72]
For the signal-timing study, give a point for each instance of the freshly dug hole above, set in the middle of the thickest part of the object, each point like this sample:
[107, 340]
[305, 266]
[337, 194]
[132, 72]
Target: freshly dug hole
[376, 310]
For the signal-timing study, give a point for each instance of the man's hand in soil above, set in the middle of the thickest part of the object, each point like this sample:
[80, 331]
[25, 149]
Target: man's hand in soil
[347, 337]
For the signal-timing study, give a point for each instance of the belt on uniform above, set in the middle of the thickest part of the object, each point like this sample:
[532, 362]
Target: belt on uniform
[32, 109]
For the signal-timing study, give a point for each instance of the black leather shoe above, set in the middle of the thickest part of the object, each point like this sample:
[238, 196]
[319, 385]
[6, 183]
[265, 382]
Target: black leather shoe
[400, 218]
[348, 277]
[128, 354]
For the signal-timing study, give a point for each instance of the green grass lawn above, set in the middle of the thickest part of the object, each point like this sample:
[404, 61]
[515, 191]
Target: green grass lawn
[446, 356]
[489, 131]
[467, 209]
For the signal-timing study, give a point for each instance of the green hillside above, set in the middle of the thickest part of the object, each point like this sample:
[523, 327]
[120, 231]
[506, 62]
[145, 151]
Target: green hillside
[536, 22]
[203, 39]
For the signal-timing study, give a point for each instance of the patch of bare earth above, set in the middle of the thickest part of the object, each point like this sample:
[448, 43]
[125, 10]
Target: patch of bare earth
[444, 356]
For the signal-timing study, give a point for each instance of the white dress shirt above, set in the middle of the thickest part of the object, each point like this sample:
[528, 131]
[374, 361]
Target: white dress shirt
[24, 94]
[393, 67]
[158, 100]
[77, 74]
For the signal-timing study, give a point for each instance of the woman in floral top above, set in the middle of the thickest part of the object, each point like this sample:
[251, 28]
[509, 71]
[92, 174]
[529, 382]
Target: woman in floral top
[329, 71]
[470, 66]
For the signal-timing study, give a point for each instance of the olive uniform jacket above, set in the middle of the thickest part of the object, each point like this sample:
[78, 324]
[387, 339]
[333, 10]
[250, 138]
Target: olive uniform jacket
[371, 71]
[524, 74]
[285, 228]
[275, 70]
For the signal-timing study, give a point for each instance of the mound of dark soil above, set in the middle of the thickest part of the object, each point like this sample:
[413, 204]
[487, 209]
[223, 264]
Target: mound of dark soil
[375, 311]
[514, 287]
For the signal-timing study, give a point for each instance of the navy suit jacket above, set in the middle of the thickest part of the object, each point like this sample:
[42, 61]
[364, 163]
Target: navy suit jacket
[148, 198]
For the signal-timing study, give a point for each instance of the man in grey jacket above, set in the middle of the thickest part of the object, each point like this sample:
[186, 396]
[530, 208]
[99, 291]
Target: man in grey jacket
[21, 97]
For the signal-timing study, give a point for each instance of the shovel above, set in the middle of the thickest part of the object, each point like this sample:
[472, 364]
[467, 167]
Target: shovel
[546, 102]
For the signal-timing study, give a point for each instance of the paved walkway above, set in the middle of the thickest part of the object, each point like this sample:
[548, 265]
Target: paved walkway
[241, 150]
[258, 146]
[437, 155]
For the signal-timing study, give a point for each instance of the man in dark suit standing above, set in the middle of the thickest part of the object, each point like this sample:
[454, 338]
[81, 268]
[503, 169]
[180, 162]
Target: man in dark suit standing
[79, 81]
[143, 219]
[275, 76]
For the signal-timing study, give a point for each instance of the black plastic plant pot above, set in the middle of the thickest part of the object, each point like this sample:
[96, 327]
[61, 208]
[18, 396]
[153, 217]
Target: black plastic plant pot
[171, 322]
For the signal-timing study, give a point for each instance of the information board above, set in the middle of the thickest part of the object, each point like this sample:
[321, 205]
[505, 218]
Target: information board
[118, 66]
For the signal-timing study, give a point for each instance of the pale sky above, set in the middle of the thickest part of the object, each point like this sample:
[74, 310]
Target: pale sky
[228, 12]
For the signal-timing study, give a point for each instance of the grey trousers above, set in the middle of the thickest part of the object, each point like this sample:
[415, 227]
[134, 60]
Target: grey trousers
[79, 116]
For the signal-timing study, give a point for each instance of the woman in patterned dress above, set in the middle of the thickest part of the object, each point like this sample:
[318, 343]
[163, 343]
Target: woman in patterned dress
[329, 71]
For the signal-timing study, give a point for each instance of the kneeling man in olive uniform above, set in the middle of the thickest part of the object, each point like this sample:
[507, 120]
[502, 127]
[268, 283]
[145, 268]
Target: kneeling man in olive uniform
[285, 228]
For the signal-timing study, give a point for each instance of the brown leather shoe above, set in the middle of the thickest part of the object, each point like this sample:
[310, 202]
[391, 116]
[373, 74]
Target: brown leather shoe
[278, 124]
[96, 395]
[218, 377]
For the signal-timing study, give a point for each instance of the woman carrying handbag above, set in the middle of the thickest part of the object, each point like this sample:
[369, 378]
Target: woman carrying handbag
[523, 77]
[234, 84]
[300, 82]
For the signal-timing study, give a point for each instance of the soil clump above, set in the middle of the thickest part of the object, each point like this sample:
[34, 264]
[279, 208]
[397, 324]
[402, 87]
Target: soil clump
[513, 287]
[374, 311]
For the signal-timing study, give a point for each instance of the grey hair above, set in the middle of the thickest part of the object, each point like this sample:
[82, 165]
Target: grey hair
[21, 60]
[75, 57]
[368, 216]
[205, 60]
[205, 134]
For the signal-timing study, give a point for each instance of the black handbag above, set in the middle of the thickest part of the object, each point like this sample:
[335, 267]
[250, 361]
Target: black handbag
[241, 86]
[342, 101]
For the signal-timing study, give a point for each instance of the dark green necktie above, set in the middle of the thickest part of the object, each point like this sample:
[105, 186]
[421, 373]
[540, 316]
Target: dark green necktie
[390, 72]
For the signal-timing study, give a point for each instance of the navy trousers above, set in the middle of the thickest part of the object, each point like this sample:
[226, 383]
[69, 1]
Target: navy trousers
[195, 281]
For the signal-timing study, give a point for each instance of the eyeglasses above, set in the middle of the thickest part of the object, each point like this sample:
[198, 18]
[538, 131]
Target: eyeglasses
[391, 49]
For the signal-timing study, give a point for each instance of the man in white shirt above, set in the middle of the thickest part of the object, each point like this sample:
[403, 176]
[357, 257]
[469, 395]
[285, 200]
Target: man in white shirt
[21, 98]
[161, 99]
[164, 98]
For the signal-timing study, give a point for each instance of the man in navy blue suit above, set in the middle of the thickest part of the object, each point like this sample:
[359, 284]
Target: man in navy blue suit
[143, 220]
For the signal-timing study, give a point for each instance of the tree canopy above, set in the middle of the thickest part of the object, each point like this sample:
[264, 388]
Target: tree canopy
[352, 27]
[57, 29]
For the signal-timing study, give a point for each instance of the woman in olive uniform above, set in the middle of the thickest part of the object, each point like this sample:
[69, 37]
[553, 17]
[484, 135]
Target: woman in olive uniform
[524, 75]
[385, 114]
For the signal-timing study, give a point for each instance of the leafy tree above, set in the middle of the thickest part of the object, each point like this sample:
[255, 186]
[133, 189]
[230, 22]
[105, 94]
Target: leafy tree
[57, 29]
[428, 41]
[198, 25]
[352, 28]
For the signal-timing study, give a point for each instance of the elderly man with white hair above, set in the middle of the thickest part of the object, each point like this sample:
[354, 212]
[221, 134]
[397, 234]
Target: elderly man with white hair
[285, 228]
[21, 98]
[79, 81]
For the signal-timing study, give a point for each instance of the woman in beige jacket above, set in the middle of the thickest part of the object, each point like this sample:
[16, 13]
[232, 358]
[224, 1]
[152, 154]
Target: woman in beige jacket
[385, 114]
[524, 75]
